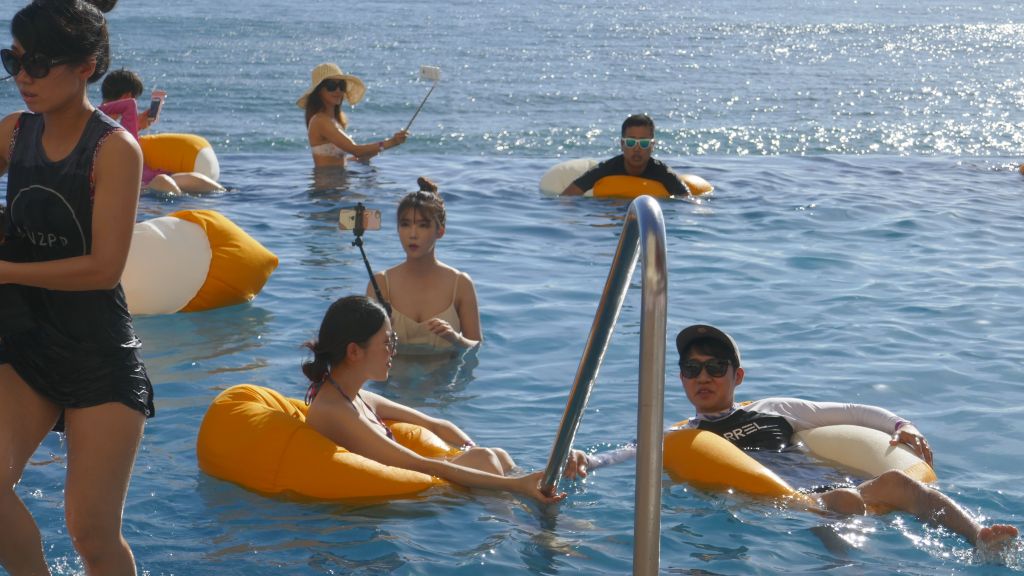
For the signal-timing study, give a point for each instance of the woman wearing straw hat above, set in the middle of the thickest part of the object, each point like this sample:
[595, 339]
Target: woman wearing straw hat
[326, 123]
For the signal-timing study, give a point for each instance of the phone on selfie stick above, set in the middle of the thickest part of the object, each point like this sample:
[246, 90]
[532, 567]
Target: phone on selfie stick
[359, 220]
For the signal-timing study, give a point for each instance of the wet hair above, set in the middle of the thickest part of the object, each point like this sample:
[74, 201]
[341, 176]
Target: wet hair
[72, 30]
[638, 120]
[120, 81]
[352, 319]
[707, 347]
[427, 201]
[315, 105]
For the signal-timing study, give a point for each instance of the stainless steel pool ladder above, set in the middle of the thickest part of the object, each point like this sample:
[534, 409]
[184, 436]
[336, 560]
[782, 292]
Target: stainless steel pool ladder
[643, 234]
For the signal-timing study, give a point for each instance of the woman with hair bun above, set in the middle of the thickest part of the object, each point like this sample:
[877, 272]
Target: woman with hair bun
[433, 306]
[356, 344]
[72, 192]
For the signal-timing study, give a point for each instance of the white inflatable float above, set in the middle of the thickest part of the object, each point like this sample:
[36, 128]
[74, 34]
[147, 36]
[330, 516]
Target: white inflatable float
[864, 451]
[173, 153]
[562, 174]
[193, 260]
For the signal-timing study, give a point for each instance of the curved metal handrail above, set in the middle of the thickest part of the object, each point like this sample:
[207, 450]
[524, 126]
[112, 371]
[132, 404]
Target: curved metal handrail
[642, 232]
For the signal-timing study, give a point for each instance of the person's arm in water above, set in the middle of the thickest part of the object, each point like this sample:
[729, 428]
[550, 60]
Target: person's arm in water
[345, 428]
[580, 463]
[469, 317]
[805, 414]
[325, 126]
[587, 180]
[673, 184]
[444, 429]
[572, 190]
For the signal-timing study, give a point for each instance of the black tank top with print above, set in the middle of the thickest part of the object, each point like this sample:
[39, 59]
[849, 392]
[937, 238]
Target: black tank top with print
[82, 350]
[50, 217]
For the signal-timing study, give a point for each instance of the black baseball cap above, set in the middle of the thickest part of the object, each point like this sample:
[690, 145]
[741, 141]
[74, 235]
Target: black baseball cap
[697, 331]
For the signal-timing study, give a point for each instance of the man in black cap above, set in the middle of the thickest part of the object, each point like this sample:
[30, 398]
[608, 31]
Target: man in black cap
[710, 371]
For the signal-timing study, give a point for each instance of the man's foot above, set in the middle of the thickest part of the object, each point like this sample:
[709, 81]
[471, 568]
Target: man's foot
[996, 537]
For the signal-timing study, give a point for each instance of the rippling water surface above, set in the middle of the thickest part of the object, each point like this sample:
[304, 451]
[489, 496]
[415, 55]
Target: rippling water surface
[863, 243]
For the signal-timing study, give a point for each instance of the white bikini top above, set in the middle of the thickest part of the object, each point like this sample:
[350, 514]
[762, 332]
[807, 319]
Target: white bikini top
[328, 149]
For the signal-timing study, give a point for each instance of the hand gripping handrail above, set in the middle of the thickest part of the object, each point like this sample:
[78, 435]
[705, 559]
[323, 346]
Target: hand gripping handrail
[642, 233]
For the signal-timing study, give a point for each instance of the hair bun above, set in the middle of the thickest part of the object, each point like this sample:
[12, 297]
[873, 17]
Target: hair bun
[426, 185]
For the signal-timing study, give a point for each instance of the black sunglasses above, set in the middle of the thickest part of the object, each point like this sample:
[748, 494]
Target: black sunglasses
[34, 64]
[717, 367]
[332, 85]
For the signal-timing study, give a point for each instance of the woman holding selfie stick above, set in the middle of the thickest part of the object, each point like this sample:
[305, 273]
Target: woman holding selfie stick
[326, 122]
[433, 306]
[72, 192]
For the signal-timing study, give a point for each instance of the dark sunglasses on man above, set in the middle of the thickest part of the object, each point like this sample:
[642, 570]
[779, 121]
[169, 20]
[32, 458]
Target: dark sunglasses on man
[34, 64]
[716, 367]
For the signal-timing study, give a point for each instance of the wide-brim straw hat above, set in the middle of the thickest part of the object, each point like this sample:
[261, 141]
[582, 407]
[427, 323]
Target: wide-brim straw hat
[354, 87]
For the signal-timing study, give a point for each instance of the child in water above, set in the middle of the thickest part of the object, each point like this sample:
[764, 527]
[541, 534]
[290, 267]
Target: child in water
[120, 88]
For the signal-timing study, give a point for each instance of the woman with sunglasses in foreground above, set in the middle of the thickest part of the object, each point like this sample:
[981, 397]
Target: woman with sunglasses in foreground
[72, 191]
[326, 123]
[637, 144]
[709, 368]
[356, 344]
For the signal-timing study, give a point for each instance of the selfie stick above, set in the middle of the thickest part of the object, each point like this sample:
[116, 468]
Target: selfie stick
[426, 73]
[358, 231]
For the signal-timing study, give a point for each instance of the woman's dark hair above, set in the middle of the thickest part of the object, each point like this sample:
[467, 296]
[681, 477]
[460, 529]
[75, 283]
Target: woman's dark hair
[352, 319]
[119, 82]
[315, 104]
[72, 30]
[427, 201]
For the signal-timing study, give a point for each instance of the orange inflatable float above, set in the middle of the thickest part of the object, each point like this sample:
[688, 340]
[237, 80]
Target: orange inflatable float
[559, 176]
[193, 260]
[707, 460]
[255, 437]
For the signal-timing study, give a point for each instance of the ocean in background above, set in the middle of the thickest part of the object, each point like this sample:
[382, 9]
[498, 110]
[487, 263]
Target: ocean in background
[864, 243]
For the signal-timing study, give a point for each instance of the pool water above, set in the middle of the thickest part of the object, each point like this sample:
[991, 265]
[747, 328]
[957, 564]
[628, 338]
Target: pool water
[888, 291]
[863, 244]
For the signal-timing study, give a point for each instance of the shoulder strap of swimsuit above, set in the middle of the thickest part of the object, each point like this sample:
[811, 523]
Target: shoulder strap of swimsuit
[455, 290]
[387, 430]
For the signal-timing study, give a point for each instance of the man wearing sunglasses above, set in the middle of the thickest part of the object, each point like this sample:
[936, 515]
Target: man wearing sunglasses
[637, 144]
[710, 371]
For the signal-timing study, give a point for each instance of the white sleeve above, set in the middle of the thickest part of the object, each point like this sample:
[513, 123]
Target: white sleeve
[804, 414]
[614, 457]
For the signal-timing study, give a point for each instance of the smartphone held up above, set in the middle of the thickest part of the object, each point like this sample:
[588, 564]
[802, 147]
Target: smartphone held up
[368, 219]
[156, 103]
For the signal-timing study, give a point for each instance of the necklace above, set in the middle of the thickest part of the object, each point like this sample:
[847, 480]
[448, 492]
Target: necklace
[387, 430]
